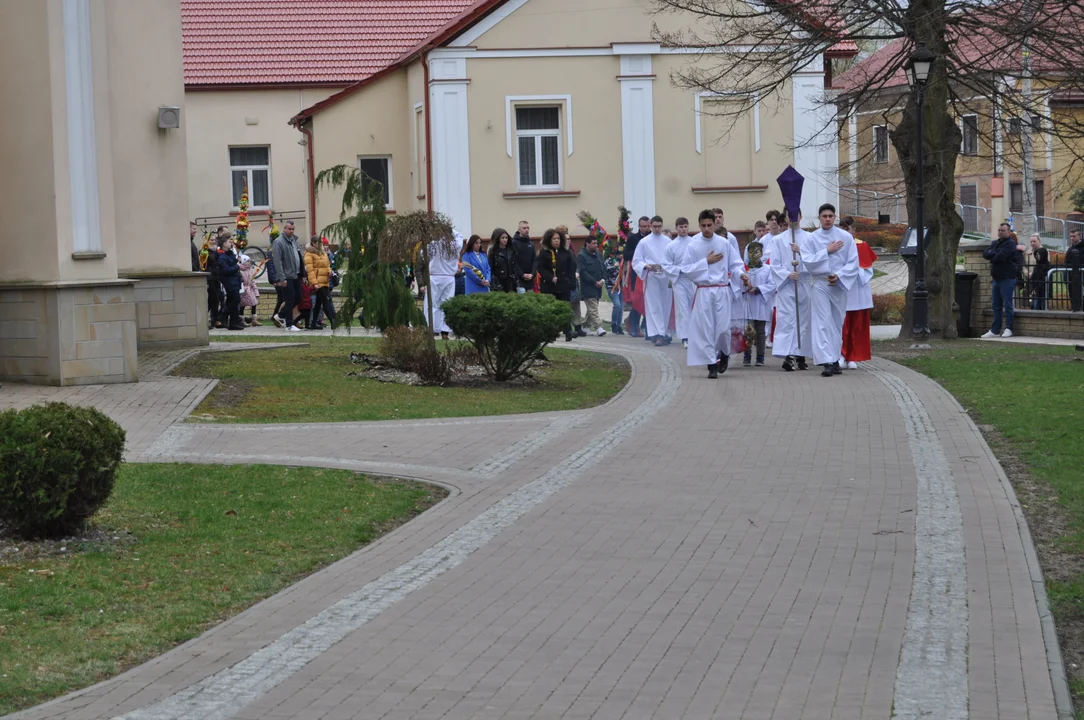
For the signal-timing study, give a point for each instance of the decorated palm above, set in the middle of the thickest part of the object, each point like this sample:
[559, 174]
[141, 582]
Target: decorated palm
[241, 237]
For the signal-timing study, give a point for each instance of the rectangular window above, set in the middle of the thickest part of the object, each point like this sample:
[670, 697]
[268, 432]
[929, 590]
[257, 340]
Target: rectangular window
[538, 145]
[880, 143]
[251, 166]
[376, 169]
[1016, 197]
[970, 128]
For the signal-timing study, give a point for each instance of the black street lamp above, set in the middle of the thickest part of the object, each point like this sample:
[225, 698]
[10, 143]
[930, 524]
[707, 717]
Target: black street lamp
[918, 72]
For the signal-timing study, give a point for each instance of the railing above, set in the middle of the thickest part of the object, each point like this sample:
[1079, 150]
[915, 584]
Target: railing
[257, 222]
[1062, 289]
[1053, 231]
[868, 203]
[976, 220]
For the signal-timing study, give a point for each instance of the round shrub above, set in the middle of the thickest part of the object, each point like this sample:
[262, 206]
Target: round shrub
[507, 329]
[57, 467]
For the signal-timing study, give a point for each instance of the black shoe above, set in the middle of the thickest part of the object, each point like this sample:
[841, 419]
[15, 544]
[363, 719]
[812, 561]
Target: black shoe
[760, 361]
[713, 372]
[802, 364]
[747, 360]
[788, 364]
[827, 371]
[724, 363]
[568, 337]
[237, 327]
[836, 369]
[580, 332]
[617, 331]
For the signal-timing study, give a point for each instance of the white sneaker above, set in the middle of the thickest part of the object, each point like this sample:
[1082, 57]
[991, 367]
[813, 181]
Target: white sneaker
[279, 322]
[1006, 334]
[852, 366]
[600, 332]
[989, 334]
[293, 328]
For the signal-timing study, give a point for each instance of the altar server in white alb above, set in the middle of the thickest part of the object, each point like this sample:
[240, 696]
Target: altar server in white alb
[758, 297]
[443, 265]
[718, 272]
[683, 286]
[832, 260]
[791, 339]
[648, 261]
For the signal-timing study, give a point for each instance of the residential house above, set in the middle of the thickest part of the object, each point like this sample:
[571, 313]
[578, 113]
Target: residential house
[93, 195]
[251, 65]
[871, 181]
[537, 109]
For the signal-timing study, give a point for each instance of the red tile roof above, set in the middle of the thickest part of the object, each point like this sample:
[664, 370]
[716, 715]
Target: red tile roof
[289, 42]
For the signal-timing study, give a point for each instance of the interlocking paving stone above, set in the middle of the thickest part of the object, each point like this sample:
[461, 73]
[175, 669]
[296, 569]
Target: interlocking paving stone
[746, 549]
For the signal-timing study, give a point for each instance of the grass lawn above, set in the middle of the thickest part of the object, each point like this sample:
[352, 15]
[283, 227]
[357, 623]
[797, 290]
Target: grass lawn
[309, 384]
[1029, 402]
[194, 545]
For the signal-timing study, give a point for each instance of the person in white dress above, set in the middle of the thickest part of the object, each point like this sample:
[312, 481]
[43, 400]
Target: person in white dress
[791, 339]
[648, 262]
[443, 265]
[682, 285]
[718, 272]
[830, 256]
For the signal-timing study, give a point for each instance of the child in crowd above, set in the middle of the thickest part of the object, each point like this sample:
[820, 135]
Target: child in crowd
[250, 294]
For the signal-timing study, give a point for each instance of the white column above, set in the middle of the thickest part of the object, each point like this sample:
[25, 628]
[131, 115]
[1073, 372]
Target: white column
[450, 144]
[638, 133]
[852, 146]
[815, 139]
[82, 140]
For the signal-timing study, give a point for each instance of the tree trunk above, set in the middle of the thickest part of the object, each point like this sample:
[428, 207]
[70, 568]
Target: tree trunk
[941, 143]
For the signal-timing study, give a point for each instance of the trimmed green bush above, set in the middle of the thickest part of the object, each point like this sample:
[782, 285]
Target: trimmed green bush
[57, 467]
[507, 329]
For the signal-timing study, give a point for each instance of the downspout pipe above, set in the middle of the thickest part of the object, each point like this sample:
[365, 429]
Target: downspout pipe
[307, 132]
[428, 134]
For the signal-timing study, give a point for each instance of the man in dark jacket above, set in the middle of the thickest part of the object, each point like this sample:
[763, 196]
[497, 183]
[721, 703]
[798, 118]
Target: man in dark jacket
[287, 276]
[1005, 262]
[592, 278]
[1074, 258]
[230, 274]
[523, 247]
[635, 319]
[214, 286]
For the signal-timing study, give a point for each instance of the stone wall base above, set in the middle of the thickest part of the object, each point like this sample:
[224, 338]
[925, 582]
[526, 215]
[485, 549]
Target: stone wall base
[171, 310]
[76, 333]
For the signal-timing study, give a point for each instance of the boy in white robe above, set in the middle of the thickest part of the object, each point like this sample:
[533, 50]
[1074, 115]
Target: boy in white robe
[648, 262]
[791, 339]
[737, 319]
[715, 267]
[443, 265]
[682, 285]
[758, 296]
[831, 257]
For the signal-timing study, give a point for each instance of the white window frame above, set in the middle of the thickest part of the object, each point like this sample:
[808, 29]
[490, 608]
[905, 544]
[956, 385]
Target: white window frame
[963, 135]
[248, 172]
[390, 189]
[538, 135]
[888, 145]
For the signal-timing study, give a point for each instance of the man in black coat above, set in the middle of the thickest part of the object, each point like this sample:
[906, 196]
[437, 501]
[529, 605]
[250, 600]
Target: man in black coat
[1005, 262]
[637, 323]
[525, 253]
[592, 276]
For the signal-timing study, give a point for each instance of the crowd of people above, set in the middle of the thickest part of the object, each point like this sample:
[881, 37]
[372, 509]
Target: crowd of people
[807, 294]
[302, 277]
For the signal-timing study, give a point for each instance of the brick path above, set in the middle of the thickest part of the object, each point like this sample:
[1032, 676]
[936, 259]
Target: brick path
[743, 548]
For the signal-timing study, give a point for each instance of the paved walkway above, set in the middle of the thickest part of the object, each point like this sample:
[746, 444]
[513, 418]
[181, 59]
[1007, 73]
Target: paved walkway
[767, 545]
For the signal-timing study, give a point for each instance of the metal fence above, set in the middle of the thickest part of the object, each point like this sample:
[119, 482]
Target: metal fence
[257, 224]
[871, 204]
[976, 220]
[1062, 288]
[1053, 231]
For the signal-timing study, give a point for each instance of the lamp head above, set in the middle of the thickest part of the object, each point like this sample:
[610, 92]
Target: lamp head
[918, 66]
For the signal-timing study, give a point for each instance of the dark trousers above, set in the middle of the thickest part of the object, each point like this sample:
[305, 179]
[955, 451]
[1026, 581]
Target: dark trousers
[759, 326]
[232, 312]
[321, 303]
[291, 296]
[213, 296]
[1075, 294]
[279, 301]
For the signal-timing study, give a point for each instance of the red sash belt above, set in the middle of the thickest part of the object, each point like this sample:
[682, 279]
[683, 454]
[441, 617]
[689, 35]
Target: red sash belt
[700, 287]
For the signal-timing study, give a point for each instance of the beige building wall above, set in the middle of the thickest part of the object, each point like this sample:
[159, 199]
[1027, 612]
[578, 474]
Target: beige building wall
[91, 189]
[370, 123]
[575, 23]
[220, 119]
[596, 132]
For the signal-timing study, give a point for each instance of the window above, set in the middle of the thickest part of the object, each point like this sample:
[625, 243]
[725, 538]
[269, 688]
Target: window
[880, 143]
[1016, 197]
[538, 143]
[1015, 125]
[970, 128]
[376, 169]
[251, 167]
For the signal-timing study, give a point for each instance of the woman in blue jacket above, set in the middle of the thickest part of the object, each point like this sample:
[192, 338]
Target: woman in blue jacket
[476, 272]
